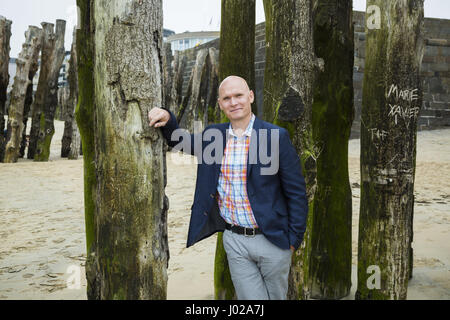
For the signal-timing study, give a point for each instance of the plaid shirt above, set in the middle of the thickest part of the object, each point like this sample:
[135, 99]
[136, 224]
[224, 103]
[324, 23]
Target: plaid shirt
[232, 187]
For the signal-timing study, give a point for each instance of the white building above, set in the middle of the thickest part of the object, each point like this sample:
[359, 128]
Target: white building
[187, 40]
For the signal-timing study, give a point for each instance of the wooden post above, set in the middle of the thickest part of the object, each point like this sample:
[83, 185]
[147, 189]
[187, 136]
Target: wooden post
[45, 101]
[26, 112]
[176, 91]
[26, 67]
[291, 68]
[5, 35]
[190, 110]
[168, 70]
[330, 265]
[237, 42]
[392, 99]
[210, 87]
[70, 143]
[53, 64]
[236, 57]
[64, 107]
[74, 147]
[84, 115]
[131, 208]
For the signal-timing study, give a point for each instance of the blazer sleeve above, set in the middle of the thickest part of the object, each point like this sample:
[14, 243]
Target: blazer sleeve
[178, 138]
[294, 189]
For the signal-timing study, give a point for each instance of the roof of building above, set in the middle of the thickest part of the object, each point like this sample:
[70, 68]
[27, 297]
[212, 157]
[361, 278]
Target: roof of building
[198, 34]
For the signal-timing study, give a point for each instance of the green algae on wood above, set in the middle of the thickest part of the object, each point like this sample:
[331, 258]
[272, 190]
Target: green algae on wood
[288, 81]
[236, 57]
[84, 115]
[332, 117]
[394, 52]
[131, 207]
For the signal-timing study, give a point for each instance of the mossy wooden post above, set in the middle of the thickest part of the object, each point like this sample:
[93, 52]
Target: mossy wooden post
[210, 87]
[45, 99]
[177, 83]
[84, 115]
[26, 113]
[5, 35]
[46, 121]
[330, 264]
[74, 146]
[66, 116]
[236, 57]
[131, 207]
[237, 42]
[27, 63]
[392, 99]
[68, 101]
[289, 79]
[190, 110]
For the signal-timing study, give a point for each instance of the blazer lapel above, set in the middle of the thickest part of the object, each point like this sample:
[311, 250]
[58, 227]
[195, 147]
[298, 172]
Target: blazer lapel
[252, 157]
[223, 128]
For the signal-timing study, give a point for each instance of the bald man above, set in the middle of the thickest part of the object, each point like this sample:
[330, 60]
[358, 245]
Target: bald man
[254, 192]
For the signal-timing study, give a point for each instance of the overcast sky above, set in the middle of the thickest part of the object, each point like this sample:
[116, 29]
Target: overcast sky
[179, 15]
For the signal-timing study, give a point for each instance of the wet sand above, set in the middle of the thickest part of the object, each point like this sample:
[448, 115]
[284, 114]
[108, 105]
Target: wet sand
[42, 246]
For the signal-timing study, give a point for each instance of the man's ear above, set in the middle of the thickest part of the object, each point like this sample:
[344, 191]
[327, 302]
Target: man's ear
[252, 96]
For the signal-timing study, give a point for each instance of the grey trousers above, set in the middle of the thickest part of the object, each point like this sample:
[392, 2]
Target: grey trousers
[259, 269]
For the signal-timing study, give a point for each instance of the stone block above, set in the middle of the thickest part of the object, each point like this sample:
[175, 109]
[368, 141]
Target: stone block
[439, 122]
[439, 105]
[426, 113]
[439, 66]
[429, 59]
[435, 85]
[423, 122]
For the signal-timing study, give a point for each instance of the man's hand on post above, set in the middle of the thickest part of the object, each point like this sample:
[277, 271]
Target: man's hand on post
[158, 117]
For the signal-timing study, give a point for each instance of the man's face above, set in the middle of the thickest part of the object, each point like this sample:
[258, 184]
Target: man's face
[235, 99]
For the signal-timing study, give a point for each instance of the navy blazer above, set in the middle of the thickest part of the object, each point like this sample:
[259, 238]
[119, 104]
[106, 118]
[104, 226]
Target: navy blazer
[278, 201]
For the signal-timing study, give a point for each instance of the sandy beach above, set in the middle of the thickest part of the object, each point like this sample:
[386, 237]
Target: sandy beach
[43, 250]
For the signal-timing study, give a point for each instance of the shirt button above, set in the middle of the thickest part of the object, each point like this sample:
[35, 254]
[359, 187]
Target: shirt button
[211, 195]
[205, 213]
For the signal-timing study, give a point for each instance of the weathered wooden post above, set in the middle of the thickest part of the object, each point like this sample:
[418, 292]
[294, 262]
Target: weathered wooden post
[237, 42]
[45, 101]
[289, 78]
[70, 144]
[190, 110]
[210, 87]
[26, 113]
[84, 114]
[131, 208]
[200, 103]
[5, 35]
[174, 103]
[63, 104]
[392, 98]
[27, 64]
[236, 57]
[168, 70]
[46, 121]
[330, 265]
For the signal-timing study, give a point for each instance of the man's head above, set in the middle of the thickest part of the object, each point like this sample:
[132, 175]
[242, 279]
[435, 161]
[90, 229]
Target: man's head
[235, 99]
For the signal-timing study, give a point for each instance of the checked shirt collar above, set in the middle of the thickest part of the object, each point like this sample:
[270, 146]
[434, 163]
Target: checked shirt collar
[247, 132]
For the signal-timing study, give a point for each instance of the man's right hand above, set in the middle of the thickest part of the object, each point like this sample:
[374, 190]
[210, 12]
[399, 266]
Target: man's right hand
[158, 117]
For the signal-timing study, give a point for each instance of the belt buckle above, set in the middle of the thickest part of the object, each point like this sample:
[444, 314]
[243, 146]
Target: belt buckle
[249, 235]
